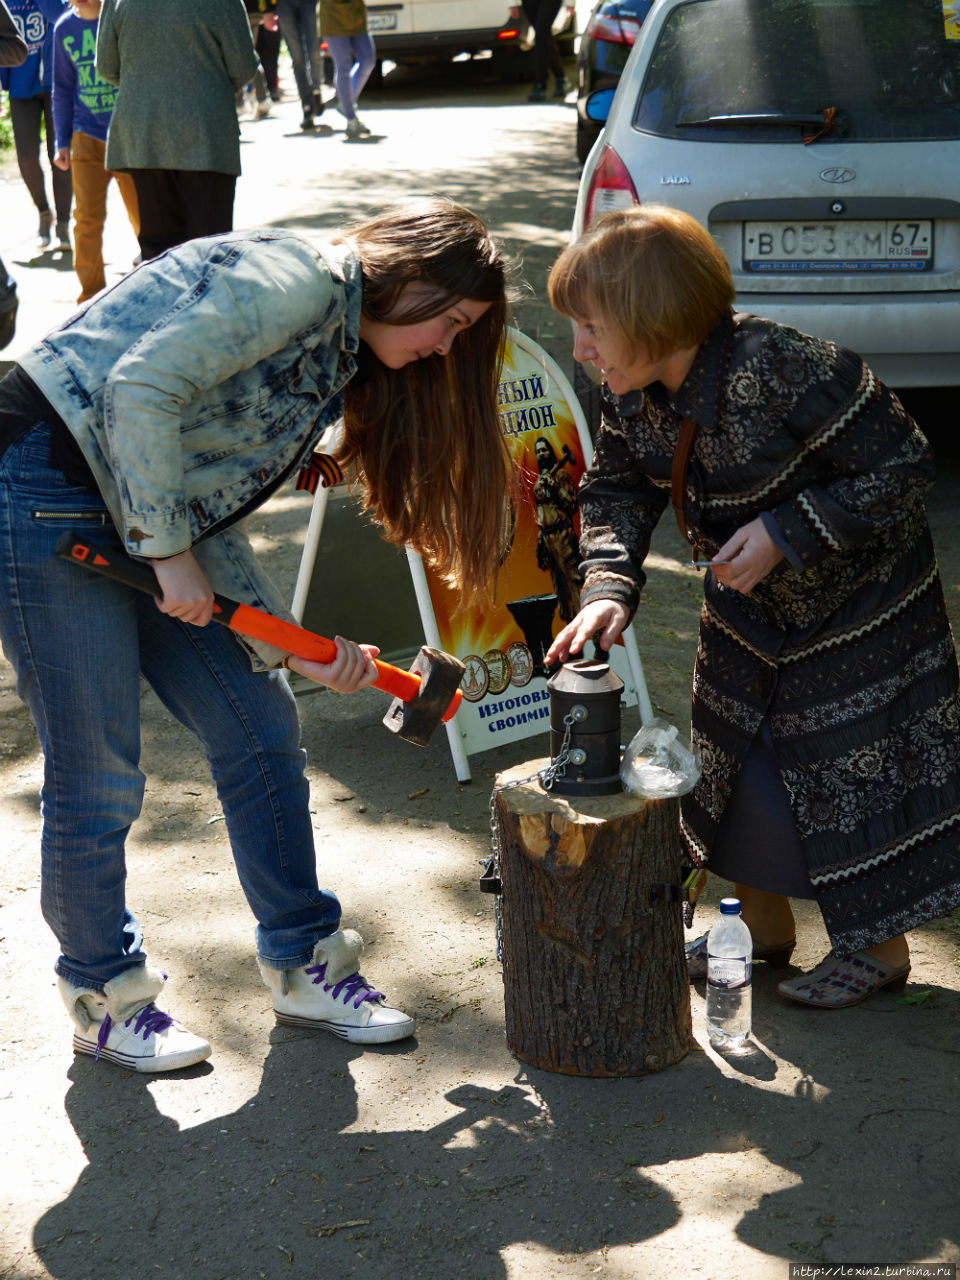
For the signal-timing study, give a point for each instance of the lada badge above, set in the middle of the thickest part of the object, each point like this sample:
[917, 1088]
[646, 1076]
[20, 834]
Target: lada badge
[837, 174]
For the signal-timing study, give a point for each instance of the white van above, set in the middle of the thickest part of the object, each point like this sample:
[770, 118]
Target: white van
[427, 30]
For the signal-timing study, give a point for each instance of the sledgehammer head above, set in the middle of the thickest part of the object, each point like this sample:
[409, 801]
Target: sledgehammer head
[440, 675]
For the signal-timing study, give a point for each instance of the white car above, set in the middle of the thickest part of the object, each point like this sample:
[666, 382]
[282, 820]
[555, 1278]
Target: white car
[426, 30]
[819, 142]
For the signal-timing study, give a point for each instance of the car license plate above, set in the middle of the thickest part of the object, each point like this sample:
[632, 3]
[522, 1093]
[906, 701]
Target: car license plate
[894, 245]
[381, 21]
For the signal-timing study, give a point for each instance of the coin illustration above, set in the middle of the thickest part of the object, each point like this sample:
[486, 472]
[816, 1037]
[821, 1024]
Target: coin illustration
[498, 669]
[521, 664]
[476, 678]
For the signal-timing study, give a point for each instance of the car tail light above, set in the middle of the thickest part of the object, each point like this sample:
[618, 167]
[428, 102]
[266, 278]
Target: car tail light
[613, 28]
[610, 186]
[508, 33]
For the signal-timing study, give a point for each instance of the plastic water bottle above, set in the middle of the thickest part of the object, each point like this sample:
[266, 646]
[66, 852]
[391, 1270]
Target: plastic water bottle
[729, 966]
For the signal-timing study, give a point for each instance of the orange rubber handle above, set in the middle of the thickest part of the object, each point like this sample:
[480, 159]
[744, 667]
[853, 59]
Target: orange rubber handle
[315, 648]
[244, 618]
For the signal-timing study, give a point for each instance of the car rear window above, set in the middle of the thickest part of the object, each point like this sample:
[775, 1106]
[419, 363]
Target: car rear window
[789, 70]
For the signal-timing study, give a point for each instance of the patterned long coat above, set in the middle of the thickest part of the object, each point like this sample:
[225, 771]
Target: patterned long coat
[844, 647]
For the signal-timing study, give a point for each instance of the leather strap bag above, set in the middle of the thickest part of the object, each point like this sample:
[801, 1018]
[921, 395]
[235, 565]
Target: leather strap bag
[678, 477]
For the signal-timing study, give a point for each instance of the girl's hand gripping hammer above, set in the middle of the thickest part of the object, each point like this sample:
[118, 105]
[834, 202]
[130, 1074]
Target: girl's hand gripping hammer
[423, 697]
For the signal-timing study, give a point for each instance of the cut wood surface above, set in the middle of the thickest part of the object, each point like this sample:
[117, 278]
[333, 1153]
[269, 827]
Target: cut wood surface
[594, 974]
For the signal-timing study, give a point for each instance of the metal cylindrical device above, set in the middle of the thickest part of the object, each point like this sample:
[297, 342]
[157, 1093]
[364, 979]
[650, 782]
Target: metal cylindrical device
[585, 698]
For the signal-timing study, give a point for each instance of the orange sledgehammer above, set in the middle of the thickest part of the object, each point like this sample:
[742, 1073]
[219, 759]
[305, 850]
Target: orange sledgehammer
[423, 697]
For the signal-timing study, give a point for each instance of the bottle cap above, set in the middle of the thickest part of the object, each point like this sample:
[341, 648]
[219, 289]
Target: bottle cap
[730, 906]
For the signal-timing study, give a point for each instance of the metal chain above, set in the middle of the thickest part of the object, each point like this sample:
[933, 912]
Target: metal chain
[546, 776]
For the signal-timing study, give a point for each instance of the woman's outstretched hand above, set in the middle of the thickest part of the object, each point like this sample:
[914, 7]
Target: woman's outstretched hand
[607, 616]
[752, 553]
[353, 668]
[187, 594]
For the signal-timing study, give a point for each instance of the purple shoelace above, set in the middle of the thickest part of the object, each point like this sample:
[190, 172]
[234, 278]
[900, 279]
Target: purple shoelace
[354, 987]
[148, 1020]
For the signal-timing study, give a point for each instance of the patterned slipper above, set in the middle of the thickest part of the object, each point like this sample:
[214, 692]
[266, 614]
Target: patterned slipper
[778, 957]
[840, 981]
[697, 958]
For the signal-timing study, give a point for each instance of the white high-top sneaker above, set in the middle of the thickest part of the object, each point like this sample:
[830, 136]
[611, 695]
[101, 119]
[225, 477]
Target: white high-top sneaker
[123, 1025]
[330, 994]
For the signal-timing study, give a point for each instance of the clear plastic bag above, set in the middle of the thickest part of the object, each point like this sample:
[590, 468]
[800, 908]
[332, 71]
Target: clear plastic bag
[657, 764]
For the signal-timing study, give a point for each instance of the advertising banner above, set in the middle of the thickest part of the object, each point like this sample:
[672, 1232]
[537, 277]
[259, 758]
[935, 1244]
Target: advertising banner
[505, 695]
[505, 685]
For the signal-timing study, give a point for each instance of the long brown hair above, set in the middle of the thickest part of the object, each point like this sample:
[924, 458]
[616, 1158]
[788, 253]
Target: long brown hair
[425, 440]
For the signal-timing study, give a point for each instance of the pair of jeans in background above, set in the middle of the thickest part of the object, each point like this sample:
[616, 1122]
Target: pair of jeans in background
[79, 643]
[354, 57]
[298, 26]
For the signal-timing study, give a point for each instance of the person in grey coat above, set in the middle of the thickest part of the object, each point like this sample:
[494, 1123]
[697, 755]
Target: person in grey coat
[174, 127]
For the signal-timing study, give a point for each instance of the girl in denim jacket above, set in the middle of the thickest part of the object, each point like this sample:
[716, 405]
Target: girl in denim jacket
[165, 411]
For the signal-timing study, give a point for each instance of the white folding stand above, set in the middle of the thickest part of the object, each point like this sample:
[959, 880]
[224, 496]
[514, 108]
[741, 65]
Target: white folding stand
[550, 406]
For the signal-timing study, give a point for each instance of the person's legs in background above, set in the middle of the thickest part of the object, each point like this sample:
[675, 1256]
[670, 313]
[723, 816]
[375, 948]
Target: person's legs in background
[25, 117]
[268, 49]
[354, 58]
[298, 26]
[181, 204]
[61, 178]
[161, 214]
[128, 194]
[259, 78]
[208, 202]
[546, 56]
[90, 181]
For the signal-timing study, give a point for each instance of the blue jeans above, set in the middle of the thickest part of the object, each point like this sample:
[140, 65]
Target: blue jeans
[79, 643]
[354, 57]
[298, 26]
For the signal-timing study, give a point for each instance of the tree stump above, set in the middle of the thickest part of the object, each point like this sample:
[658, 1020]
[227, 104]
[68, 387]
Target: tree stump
[594, 973]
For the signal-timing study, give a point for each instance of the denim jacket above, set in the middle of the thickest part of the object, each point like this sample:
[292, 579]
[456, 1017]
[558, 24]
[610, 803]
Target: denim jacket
[197, 384]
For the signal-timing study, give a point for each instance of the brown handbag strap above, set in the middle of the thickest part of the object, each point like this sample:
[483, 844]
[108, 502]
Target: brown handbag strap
[678, 475]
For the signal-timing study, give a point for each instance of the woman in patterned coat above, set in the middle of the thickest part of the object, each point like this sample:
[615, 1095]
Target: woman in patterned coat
[825, 694]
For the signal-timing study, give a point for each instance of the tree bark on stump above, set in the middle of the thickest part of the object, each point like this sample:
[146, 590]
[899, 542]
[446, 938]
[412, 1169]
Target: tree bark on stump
[594, 972]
